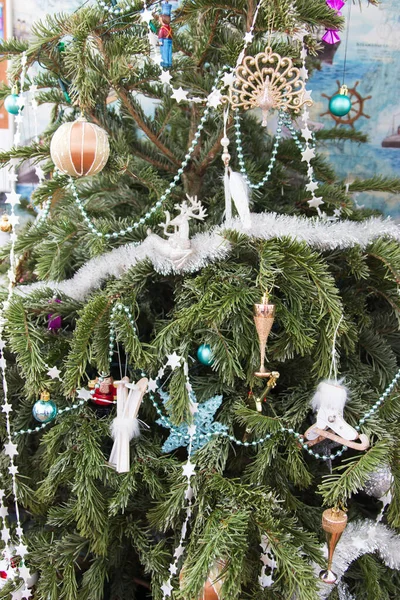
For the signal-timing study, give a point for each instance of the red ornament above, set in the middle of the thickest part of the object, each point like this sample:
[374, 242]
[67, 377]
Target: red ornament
[3, 575]
[104, 393]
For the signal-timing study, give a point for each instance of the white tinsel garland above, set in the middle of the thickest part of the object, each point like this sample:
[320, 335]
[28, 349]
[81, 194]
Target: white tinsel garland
[210, 247]
[359, 538]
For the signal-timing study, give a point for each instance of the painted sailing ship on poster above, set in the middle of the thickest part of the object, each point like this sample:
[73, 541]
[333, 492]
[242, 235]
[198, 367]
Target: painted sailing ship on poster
[393, 139]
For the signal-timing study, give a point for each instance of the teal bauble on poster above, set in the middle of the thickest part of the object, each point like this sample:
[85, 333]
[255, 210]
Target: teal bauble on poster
[11, 104]
[340, 104]
[44, 410]
[205, 355]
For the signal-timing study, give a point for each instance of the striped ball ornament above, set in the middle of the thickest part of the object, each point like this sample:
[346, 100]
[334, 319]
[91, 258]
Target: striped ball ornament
[80, 148]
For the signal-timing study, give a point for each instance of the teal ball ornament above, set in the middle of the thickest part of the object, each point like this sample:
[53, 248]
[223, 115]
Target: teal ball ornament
[340, 104]
[44, 410]
[11, 104]
[205, 355]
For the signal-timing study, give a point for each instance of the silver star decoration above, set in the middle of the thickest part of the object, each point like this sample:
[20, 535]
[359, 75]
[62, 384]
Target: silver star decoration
[16, 595]
[54, 373]
[173, 569]
[13, 199]
[265, 580]
[84, 394]
[160, 373]
[146, 16]
[315, 202]
[174, 360]
[6, 408]
[248, 38]
[21, 550]
[24, 572]
[307, 134]
[303, 73]
[5, 535]
[189, 493]
[152, 386]
[13, 469]
[193, 408]
[11, 449]
[307, 95]
[12, 176]
[39, 173]
[337, 212]
[26, 593]
[191, 430]
[165, 77]
[166, 588]
[303, 53]
[312, 186]
[214, 99]
[179, 551]
[179, 94]
[14, 220]
[3, 511]
[19, 531]
[228, 79]
[188, 469]
[305, 116]
[308, 154]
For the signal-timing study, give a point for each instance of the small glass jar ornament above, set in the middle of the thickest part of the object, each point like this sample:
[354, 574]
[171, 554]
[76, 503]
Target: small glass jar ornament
[205, 355]
[340, 104]
[44, 410]
[5, 224]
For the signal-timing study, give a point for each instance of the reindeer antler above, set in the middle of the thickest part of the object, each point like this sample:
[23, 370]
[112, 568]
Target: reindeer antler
[167, 223]
[196, 210]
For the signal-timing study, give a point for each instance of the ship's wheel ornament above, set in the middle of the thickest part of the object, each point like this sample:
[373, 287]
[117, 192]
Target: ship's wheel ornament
[268, 81]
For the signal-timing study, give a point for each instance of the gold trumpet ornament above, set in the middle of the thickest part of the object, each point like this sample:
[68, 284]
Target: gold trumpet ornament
[334, 522]
[264, 316]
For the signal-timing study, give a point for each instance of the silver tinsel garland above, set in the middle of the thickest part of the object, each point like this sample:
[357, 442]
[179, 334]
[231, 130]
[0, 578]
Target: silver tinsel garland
[359, 538]
[211, 247]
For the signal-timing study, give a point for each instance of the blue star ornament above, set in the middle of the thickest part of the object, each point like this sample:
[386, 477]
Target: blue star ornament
[203, 419]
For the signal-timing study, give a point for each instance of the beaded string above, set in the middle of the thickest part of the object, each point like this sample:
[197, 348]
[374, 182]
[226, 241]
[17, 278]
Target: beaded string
[166, 421]
[164, 196]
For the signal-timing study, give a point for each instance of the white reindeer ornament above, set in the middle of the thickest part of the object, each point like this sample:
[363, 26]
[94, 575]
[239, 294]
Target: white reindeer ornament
[177, 248]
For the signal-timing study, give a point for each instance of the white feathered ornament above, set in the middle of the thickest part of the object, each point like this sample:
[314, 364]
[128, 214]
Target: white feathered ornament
[125, 426]
[329, 401]
[236, 190]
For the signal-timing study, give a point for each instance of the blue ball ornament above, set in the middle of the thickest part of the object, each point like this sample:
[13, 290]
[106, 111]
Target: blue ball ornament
[205, 355]
[340, 104]
[11, 104]
[44, 410]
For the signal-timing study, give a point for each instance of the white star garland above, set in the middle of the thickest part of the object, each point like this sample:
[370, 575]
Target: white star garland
[188, 471]
[268, 560]
[19, 117]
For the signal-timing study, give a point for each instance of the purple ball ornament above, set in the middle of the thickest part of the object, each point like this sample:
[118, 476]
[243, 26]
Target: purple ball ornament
[55, 323]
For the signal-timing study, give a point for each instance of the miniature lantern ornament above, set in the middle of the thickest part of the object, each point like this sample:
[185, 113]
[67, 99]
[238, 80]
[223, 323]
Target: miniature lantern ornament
[80, 148]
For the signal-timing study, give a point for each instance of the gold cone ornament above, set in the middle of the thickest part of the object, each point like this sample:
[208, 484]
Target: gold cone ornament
[264, 315]
[334, 522]
[80, 148]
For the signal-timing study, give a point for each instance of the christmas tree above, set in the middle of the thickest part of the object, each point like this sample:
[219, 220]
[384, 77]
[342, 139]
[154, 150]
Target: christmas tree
[142, 289]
